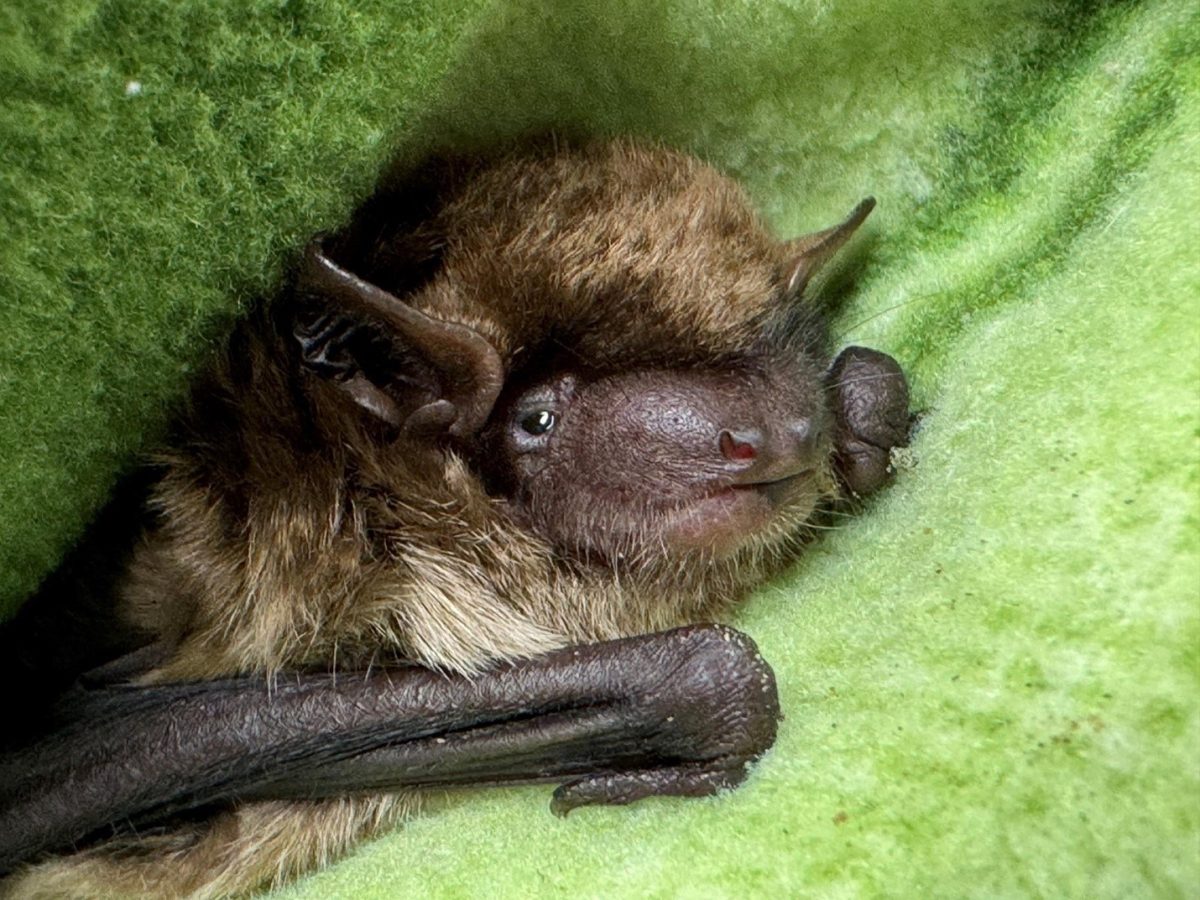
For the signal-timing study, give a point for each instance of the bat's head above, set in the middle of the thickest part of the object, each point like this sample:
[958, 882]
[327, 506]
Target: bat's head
[610, 337]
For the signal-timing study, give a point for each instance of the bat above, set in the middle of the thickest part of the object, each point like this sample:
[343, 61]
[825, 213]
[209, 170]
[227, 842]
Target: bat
[456, 507]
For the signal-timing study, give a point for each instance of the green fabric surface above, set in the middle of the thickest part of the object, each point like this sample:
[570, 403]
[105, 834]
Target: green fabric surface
[991, 677]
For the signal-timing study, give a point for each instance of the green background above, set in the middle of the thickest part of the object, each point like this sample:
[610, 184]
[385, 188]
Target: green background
[991, 677]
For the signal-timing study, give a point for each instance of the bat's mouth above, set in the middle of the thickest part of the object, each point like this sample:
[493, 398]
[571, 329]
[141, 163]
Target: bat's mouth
[734, 515]
[782, 491]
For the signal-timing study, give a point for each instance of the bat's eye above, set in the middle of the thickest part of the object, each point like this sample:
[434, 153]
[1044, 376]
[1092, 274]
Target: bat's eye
[539, 422]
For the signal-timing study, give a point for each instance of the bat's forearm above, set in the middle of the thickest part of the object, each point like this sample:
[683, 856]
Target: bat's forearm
[680, 712]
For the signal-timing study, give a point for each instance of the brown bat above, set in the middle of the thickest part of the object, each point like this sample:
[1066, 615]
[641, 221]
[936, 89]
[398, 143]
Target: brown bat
[439, 516]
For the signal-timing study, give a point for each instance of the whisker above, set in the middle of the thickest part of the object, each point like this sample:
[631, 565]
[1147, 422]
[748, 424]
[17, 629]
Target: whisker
[817, 527]
[841, 336]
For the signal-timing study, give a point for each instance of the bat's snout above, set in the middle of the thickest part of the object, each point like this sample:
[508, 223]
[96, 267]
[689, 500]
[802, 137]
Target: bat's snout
[765, 455]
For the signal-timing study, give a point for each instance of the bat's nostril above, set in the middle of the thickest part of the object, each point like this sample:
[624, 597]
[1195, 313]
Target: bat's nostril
[740, 446]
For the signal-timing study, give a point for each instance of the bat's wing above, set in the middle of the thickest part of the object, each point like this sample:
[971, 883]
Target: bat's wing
[682, 712]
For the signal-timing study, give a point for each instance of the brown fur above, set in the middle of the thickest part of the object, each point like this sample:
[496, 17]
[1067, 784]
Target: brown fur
[292, 533]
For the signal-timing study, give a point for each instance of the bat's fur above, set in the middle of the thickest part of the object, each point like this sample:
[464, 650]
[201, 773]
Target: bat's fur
[291, 532]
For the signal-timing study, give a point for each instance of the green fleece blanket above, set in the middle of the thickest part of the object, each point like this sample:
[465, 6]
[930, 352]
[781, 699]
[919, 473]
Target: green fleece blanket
[991, 676]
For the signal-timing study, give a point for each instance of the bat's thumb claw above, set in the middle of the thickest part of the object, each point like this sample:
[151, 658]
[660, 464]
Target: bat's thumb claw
[565, 799]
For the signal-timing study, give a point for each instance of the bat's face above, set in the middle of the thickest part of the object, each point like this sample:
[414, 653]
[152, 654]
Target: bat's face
[632, 467]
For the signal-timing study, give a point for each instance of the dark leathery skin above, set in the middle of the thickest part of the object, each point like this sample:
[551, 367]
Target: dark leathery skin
[869, 398]
[680, 712]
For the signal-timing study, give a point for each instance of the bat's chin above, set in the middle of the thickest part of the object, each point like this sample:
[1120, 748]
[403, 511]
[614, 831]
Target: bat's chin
[733, 516]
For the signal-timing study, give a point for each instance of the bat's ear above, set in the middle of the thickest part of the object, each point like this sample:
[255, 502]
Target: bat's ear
[465, 366]
[808, 253]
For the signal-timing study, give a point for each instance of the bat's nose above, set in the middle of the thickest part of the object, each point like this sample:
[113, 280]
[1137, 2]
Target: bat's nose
[743, 445]
[763, 455]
